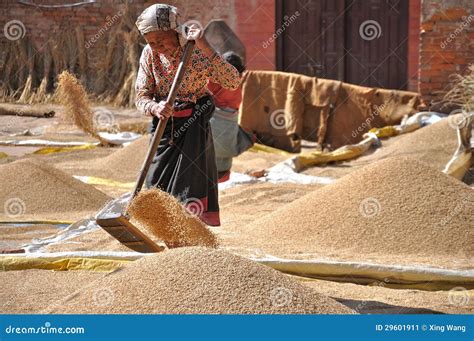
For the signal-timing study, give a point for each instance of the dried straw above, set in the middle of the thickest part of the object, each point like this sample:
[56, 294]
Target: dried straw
[462, 93]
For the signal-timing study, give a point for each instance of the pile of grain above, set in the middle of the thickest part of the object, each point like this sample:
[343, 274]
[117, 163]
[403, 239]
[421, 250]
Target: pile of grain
[30, 188]
[394, 209]
[433, 144]
[197, 281]
[163, 217]
[29, 291]
[126, 162]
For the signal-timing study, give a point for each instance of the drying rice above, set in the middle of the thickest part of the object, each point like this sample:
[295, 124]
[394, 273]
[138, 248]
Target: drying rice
[394, 209]
[73, 96]
[197, 281]
[30, 291]
[163, 217]
[125, 163]
[434, 144]
[30, 188]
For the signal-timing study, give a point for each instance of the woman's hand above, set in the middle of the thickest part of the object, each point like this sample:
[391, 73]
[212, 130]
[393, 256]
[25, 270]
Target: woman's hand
[195, 33]
[162, 109]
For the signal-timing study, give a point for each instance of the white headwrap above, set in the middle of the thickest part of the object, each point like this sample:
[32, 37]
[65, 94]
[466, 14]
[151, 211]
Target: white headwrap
[158, 17]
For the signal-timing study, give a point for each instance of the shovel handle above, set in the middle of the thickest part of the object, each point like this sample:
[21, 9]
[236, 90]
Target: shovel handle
[155, 142]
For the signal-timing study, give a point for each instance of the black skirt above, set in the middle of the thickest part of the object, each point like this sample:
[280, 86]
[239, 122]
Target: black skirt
[185, 164]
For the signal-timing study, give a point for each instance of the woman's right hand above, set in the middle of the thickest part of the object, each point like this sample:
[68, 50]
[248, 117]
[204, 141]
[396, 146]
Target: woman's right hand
[162, 109]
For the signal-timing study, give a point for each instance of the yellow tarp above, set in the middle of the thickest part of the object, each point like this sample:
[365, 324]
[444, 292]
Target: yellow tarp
[3, 155]
[91, 180]
[51, 150]
[38, 222]
[63, 264]
[392, 276]
[305, 160]
[352, 151]
[261, 148]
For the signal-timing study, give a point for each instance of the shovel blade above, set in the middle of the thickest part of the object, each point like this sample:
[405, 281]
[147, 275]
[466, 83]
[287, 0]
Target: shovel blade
[119, 226]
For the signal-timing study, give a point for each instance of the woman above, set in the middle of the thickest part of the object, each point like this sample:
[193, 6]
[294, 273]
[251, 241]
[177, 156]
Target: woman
[230, 139]
[184, 165]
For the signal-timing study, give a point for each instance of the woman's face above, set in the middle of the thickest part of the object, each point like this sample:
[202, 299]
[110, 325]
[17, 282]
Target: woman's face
[165, 42]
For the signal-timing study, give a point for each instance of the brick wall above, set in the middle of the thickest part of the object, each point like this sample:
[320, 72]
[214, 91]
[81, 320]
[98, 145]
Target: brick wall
[446, 45]
[413, 43]
[252, 20]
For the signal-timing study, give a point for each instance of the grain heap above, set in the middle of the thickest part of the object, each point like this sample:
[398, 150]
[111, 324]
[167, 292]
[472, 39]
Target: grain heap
[163, 217]
[125, 163]
[197, 281]
[397, 208]
[30, 188]
[433, 144]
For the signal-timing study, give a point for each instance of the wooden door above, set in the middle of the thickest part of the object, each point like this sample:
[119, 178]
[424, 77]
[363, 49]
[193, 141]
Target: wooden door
[357, 41]
[313, 43]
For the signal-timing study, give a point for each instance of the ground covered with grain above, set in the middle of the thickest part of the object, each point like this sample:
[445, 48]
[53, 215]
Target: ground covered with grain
[421, 217]
[197, 281]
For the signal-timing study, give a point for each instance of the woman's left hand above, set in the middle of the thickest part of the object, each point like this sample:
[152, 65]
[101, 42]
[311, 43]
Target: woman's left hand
[196, 33]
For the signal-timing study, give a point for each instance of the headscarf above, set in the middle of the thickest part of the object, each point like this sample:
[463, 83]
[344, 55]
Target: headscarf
[161, 17]
[158, 17]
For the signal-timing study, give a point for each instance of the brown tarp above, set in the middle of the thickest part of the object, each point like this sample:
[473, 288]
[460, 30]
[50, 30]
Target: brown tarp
[283, 108]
